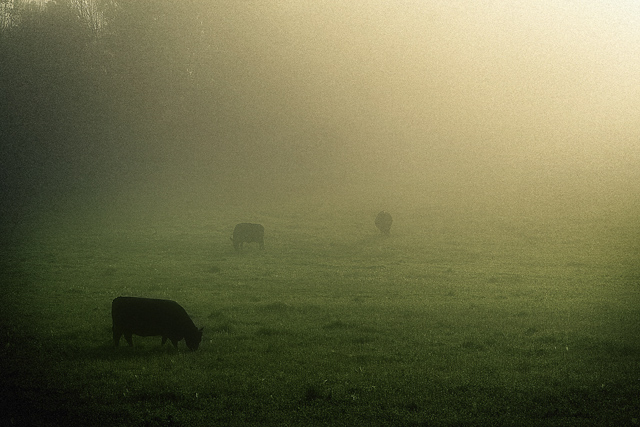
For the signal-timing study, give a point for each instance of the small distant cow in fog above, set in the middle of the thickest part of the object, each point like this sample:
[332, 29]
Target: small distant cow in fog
[149, 317]
[383, 222]
[247, 233]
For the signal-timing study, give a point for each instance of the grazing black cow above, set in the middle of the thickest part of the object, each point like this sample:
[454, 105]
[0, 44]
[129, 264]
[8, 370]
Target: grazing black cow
[383, 222]
[152, 317]
[247, 233]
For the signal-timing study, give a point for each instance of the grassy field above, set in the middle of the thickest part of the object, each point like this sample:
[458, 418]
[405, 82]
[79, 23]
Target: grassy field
[457, 318]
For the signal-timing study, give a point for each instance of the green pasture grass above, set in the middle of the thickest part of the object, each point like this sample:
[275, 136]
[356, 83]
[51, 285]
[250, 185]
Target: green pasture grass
[454, 319]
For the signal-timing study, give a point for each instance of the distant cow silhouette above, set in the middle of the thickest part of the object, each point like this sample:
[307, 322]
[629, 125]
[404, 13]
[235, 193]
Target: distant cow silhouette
[383, 222]
[247, 233]
[148, 317]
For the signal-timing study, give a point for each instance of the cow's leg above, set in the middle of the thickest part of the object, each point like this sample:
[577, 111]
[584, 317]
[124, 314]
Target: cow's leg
[174, 342]
[127, 336]
[117, 333]
[164, 340]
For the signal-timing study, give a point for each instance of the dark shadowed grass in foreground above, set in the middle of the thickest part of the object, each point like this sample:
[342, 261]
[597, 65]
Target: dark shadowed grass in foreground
[445, 322]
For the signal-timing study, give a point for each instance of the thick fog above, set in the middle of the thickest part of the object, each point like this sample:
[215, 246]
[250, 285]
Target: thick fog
[443, 98]
[504, 104]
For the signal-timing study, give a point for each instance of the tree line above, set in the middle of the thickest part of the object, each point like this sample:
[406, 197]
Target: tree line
[86, 82]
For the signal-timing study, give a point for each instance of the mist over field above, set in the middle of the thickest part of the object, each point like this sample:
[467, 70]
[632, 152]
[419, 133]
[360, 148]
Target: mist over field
[503, 137]
[509, 105]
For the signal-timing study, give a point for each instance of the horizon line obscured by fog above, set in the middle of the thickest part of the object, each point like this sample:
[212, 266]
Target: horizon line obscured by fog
[501, 103]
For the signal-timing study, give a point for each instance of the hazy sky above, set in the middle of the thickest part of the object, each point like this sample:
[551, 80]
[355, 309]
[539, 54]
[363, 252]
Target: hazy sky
[412, 91]
[505, 99]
